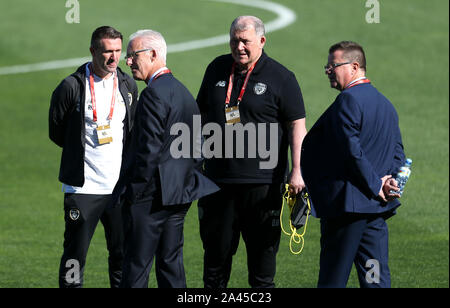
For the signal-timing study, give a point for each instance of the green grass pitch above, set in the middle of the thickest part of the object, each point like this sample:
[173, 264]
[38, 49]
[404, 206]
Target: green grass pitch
[407, 54]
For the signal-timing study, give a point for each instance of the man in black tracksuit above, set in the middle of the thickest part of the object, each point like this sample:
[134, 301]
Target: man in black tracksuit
[248, 89]
[90, 117]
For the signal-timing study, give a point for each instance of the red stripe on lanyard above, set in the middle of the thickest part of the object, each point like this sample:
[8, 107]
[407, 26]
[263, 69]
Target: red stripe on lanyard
[230, 84]
[365, 80]
[167, 71]
[94, 105]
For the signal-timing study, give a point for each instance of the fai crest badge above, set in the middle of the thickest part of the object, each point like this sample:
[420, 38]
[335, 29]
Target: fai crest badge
[74, 214]
[260, 88]
[130, 98]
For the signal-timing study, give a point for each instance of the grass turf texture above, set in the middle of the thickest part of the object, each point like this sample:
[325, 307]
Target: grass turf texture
[407, 55]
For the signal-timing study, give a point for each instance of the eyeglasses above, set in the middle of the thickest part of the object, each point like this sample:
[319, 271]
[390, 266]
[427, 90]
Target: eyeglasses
[332, 66]
[134, 53]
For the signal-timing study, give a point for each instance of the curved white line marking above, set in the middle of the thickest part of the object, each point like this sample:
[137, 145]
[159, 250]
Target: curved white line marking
[285, 17]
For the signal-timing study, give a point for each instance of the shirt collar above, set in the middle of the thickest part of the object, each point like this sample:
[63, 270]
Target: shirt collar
[156, 73]
[259, 64]
[356, 80]
[98, 78]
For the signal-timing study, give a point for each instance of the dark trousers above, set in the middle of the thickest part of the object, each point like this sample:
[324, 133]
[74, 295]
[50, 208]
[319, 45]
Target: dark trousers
[359, 239]
[153, 230]
[82, 213]
[251, 210]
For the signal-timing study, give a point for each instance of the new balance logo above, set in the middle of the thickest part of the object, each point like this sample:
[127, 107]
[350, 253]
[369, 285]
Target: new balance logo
[221, 84]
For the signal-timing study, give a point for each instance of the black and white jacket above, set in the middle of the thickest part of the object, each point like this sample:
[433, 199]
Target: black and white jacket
[66, 120]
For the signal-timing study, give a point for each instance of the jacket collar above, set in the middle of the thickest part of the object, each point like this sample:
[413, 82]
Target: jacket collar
[261, 62]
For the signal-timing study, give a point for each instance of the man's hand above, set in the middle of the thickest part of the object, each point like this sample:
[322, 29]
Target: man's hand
[388, 184]
[296, 183]
[391, 185]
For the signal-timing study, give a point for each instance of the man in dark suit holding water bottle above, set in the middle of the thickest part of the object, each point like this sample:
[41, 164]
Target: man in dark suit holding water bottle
[348, 159]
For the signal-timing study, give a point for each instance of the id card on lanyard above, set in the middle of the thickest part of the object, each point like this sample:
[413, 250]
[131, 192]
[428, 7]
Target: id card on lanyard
[232, 114]
[104, 132]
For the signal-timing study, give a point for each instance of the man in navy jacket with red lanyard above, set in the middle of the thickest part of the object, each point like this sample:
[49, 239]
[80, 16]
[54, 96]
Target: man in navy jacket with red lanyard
[348, 159]
[156, 185]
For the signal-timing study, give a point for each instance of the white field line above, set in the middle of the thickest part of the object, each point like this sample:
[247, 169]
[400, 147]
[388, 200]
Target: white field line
[284, 18]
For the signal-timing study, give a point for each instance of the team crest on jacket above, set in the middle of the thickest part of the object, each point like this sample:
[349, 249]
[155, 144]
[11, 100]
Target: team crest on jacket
[74, 214]
[260, 88]
[130, 98]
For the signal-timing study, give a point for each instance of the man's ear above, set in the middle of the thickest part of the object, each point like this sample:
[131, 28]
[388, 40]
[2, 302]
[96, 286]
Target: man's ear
[92, 50]
[262, 41]
[153, 55]
[355, 66]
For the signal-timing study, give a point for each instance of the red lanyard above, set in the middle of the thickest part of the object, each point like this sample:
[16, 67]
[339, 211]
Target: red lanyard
[230, 84]
[113, 98]
[166, 71]
[365, 80]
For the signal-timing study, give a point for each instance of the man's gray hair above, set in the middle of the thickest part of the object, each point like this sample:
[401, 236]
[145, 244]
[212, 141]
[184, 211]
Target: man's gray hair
[152, 39]
[243, 23]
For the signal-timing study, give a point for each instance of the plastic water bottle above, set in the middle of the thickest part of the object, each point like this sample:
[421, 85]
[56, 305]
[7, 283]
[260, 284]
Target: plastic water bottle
[403, 176]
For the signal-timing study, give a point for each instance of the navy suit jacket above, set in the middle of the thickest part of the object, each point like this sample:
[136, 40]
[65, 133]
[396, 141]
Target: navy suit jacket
[349, 149]
[149, 170]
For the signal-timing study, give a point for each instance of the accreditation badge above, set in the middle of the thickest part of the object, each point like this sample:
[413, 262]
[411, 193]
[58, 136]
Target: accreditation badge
[104, 134]
[232, 115]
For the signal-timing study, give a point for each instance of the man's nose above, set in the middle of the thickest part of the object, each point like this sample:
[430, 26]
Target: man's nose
[116, 56]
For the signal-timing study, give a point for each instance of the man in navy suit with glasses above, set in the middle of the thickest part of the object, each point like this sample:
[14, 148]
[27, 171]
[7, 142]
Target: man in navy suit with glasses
[157, 187]
[349, 158]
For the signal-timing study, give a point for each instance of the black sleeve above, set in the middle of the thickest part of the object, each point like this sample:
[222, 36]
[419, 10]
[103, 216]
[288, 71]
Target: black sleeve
[132, 86]
[202, 96]
[60, 105]
[291, 99]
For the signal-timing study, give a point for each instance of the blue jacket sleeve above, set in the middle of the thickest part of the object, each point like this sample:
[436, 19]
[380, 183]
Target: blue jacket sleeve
[347, 124]
[399, 156]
